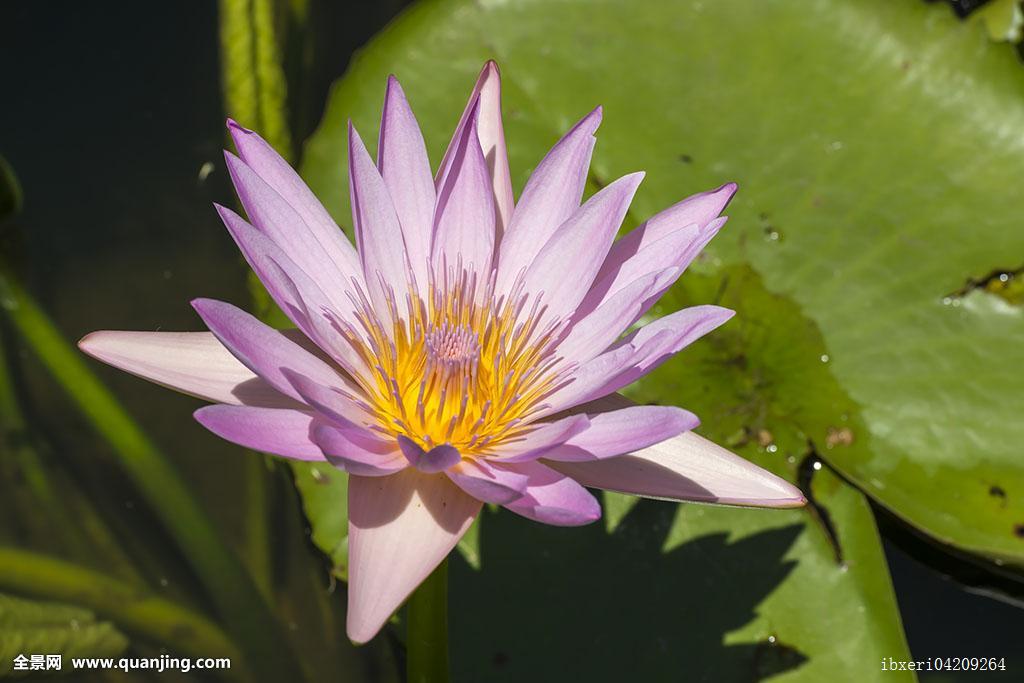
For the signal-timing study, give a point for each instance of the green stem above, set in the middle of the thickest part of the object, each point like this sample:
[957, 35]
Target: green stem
[259, 554]
[159, 621]
[233, 591]
[64, 510]
[427, 633]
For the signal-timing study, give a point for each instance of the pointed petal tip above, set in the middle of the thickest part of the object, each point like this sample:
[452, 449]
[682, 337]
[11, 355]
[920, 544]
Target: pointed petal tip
[729, 190]
[204, 305]
[89, 343]
[791, 498]
[592, 121]
[361, 632]
[393, 88]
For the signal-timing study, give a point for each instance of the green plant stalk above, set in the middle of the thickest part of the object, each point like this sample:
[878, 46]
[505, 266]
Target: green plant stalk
[255, 87]
[155, 619]
[427, 630]
[231, 588]
[257, 474]
[66, 513]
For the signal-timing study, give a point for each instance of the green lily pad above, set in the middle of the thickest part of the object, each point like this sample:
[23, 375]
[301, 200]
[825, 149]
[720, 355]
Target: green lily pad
[29, 627]
[871, 141]
[1003, 20]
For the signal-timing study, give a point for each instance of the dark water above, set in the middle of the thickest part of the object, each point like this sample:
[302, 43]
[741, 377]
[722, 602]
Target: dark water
[108, 115]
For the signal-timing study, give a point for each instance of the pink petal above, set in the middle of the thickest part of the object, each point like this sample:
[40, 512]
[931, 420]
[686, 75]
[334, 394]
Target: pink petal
[276, 172]
[437, 459]
[487, 483]
[541, 438]
[700, 209]
[551, 196]
[273, 216]
[659, 340]
[400, 528]
[358, 451]
[378, 232]
[402, 160]
[261, 348]
[613, 432]
[268, 430]
[624, 265]
[553, 498]
[295, 293]
[486, 96]
[191, 362]
[687, 467]
[566, 266]
[464, 216]
[596, 331]
[636, 355]
[336, 403]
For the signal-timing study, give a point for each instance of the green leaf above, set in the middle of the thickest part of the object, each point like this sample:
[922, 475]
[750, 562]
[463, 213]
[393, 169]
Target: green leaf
[1003, 19]
[28, 627]
[872, 141]
[324, 491]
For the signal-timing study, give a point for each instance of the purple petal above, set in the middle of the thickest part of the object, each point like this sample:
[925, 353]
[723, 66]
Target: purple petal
[486, 483]
[402, 160]
[378, 232]
[268, 430]
[358, 451]
[624, 266]
[636, 355]
[541, 438]
[551, 196]
[686, 467]
[399, 529]
[464, 216]
[437, 459]
[274, 217]
[595, 332]
[293, 291]
[486, 97]
[553, 498]
[336, 403]
[262, 349]
[613, 432]
[276, 172]
[191, 362]
[566, 266]
[700, 209]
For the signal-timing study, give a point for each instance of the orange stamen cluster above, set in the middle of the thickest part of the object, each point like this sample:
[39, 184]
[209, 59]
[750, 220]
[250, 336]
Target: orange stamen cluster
[460, 365]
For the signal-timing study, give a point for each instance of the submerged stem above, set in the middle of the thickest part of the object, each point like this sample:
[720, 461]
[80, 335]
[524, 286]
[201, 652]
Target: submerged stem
[238, 600]
[427, 634]
[160, 621]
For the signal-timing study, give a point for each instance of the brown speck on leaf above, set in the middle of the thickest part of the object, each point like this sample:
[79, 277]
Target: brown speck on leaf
[841, 436]
[764, 438]
[1018, 530]
[997, 492]
[686, 158]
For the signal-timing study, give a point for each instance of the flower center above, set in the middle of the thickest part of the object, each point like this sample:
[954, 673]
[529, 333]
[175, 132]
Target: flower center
[452, 352]
[459, 366]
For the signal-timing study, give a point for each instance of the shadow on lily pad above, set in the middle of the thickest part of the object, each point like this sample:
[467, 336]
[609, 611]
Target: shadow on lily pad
[582, 604]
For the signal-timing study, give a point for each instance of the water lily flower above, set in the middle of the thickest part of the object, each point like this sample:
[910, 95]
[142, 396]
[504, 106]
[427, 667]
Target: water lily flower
[467, 351]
